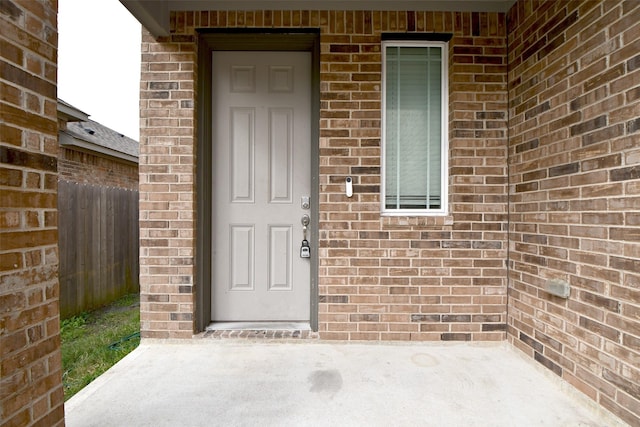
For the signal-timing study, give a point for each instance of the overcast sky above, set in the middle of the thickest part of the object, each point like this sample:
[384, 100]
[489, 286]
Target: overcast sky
[99, 62]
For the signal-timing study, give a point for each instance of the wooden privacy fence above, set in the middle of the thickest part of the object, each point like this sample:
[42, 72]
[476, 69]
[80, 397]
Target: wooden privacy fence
[98, 244]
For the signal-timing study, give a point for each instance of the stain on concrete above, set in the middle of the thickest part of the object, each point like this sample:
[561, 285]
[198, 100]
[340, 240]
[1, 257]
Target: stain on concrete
[326, 381]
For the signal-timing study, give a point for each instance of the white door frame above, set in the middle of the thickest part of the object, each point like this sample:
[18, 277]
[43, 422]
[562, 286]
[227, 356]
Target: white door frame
[306, 40]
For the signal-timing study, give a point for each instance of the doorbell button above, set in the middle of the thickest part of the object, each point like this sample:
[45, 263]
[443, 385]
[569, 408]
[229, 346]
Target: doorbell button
[349, 186]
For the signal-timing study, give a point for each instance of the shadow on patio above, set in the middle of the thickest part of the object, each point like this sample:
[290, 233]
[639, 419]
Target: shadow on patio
[205, 382]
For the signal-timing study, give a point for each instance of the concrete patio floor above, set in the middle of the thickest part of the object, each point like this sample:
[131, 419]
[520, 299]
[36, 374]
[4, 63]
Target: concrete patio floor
[208, 382]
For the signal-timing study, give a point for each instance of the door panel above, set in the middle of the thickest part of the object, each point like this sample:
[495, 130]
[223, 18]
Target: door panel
[280, 155]
[241, 178]
[280, 255]
[241, 251]
[261, 159]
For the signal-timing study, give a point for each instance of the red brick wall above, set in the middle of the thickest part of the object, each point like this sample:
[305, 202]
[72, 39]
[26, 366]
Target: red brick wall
[87, 168]
[574, 154]
[421, 278]
[401, 278]
[31, 382]
[167, 192]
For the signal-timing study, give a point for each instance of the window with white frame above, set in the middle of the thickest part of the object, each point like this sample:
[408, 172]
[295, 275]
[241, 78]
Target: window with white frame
[414, 128]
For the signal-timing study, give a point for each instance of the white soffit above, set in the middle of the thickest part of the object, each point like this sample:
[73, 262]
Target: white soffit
[154, 14]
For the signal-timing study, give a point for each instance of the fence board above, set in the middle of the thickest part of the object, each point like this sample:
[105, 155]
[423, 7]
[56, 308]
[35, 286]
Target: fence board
[99, 245]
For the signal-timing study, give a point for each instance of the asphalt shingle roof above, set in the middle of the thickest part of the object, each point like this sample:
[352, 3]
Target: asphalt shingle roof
[101, 135]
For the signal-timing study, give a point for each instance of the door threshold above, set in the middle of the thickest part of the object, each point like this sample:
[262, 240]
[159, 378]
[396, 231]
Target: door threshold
[259, 326]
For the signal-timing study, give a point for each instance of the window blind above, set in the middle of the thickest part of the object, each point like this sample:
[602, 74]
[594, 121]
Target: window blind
[413, 127]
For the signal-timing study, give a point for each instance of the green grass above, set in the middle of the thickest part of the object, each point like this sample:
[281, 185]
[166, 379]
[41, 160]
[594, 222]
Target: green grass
[93, 342]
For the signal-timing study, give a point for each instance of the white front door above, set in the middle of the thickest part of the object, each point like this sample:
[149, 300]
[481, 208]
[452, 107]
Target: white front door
[261, 159]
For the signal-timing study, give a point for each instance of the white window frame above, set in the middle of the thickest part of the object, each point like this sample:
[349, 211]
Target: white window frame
[444, 137]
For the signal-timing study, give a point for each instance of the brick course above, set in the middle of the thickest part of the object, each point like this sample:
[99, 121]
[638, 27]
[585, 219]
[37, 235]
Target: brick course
[574, 153]
[31, 382]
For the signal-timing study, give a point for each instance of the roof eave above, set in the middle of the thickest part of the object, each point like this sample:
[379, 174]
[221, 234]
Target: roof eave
[70, 113]
[66, 139]
[154, 14]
